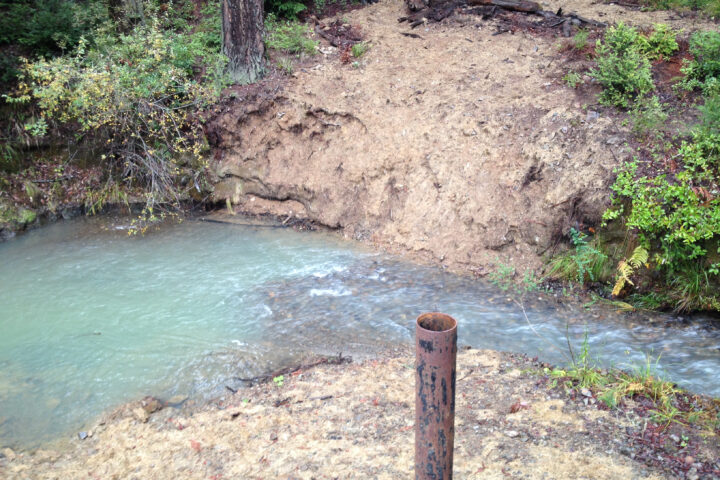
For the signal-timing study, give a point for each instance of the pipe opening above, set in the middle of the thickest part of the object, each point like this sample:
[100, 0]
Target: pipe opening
[436, 322]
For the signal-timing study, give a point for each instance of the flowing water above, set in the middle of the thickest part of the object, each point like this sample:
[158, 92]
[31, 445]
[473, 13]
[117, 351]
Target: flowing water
[91, 317]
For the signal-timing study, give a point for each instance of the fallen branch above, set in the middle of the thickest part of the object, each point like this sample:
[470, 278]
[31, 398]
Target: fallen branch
[337, 360]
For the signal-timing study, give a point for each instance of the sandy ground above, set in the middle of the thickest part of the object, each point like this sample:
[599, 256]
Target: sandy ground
[461, 146]
[356, 421]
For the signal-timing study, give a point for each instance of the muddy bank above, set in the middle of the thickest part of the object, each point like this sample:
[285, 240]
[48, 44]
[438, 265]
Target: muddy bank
[355, 421]
[461, 145]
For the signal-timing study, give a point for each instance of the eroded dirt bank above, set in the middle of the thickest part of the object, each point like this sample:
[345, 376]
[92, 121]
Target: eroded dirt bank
[463, 146]
[355, 421]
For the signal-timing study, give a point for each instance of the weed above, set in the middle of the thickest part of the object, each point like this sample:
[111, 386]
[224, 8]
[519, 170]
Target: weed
[360, 49]
[586, 262]
[287, 9]
[279, 380]
[648, 117]
[580, 40]
[573, 79]
[286, 65]
[288, 36]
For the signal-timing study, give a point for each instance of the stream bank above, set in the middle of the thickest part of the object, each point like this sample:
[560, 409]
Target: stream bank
[355, 421]
[487, 161]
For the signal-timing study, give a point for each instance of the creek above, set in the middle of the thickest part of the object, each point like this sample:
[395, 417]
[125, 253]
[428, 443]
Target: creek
[91, 317]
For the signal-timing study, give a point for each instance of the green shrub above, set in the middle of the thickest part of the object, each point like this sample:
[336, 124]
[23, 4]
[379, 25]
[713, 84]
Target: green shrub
[573, 79]
[288, 36]
[648, 117]
[703, 71]
[580, 39]
[710, 110]
[287, 9]
[677, 217]
[622, 69]
[710, 7]
[660, 43]
[135, 96]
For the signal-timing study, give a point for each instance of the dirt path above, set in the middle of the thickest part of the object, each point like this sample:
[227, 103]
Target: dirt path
[355, 421]
[460, 146]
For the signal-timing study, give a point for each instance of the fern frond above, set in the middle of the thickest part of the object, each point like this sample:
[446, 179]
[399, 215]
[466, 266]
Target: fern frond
[627, 268]
[639, 257]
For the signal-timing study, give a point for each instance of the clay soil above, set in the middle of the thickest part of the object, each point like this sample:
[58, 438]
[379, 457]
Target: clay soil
[356, 421]
[461, 145]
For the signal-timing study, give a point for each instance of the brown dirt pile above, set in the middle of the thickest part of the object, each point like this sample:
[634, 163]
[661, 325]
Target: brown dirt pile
[460, 145]
[355, 421]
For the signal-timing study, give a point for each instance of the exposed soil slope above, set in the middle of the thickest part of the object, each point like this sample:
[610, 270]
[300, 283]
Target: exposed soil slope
[355, 421]
[461, 145]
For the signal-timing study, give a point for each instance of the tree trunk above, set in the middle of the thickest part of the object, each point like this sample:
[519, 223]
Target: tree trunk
[242, 22]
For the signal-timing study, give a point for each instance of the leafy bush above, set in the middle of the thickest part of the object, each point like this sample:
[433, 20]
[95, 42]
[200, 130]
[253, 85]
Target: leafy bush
[678, 217]
[288, 36]
[573, 79]
[135, 96]
[710, 7]
[622, 69]
[44, 28]
[703, 71]
[660, 43]
[711, 113]
[287, 9]
[648, 116]
[49, 26]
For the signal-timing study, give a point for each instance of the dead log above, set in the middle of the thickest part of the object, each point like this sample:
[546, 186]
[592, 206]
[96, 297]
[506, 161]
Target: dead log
[512, 5]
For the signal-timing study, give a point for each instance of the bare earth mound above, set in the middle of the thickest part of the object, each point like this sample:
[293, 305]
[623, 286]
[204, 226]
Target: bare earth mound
[355, 421]
[462, 146]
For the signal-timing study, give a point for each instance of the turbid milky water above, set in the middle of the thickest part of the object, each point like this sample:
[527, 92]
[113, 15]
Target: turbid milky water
[91, 318]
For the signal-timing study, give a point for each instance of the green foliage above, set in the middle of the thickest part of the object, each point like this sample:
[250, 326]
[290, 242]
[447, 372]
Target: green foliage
[580, 39]
[49, 26]
[710, 110]
[279, 380]
[660, 43]
[585, 262]
[622, 68]
[135, 96]
[288, 36]
[503, 277]
[573, 79]
[703, 71]
[44, 28]
[679, 218]
[287, 9]
[359, 49]
[710, 7]
[648, 117]
[628, 267]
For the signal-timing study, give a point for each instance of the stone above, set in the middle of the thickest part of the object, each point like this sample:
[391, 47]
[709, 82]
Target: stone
[591, 116]
[141, 415]
[9, 454]
[585, 392]
[151, 404]
[82, 435]
[512, 433]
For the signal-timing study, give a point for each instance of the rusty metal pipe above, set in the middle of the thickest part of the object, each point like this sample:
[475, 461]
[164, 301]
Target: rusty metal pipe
[435, 360]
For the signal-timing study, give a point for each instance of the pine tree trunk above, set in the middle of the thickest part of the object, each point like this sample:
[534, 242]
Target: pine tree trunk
[242, 22]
